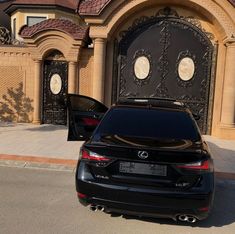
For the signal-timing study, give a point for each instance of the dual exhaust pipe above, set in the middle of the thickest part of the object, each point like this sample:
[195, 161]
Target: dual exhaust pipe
[96, 207]
[183, 218]
[187, 218]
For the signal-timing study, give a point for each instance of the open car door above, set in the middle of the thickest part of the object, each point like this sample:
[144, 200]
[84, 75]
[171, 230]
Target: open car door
[85, 114]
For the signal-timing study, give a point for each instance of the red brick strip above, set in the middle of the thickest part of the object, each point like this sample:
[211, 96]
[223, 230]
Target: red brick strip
[68, 162]
[71, 162]
[225, 175]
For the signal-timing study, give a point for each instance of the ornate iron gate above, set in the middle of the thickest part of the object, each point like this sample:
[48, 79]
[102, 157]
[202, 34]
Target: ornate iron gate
[55, 89]
[168, 57]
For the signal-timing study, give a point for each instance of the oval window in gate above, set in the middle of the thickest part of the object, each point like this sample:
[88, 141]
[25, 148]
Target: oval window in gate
[55, 84]
[186, 69]
[142, 67]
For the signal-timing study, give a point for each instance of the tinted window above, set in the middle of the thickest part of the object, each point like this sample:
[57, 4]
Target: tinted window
[152, 123]
[82, 103]
[31, 20]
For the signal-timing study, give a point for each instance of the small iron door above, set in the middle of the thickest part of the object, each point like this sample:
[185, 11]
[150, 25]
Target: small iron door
[55, 89]
[166, 57]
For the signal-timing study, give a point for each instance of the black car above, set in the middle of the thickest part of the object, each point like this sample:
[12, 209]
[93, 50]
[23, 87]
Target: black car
[143, 157]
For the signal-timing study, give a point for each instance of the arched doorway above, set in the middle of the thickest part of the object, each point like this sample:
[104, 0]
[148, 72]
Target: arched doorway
[166, 56]
[55, 89]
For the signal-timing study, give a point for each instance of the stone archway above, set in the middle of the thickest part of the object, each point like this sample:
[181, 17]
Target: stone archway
[54, 35]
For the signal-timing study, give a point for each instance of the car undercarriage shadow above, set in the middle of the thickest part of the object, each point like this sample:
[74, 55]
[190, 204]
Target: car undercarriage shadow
[222, 213]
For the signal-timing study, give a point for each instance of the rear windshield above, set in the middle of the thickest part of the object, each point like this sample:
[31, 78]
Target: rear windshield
[149, 123]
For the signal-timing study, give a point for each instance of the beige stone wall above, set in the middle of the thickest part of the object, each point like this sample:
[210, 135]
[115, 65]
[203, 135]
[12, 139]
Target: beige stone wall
[16, 84]
[86, 72]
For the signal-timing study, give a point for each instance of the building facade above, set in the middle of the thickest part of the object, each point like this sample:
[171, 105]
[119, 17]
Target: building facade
[109, 49]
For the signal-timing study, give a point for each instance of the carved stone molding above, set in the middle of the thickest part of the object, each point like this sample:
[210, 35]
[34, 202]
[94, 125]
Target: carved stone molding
[229, 41]
[220, 15]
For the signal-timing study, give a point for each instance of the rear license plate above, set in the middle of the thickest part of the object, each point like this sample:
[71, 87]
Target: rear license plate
[142, 168]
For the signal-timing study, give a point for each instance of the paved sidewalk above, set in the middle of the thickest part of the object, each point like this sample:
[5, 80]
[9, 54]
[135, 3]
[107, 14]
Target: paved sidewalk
[37, 140]
[48, 144]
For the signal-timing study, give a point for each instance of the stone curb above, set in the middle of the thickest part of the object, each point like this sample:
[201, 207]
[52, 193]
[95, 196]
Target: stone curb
[37, 162]
[225, 175]
[62, 164]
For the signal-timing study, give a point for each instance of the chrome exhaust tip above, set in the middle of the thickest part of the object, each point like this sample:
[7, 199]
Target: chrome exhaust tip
[100, 208]
[93, 208]
[187, 218]
[183, 218]
[192, 219]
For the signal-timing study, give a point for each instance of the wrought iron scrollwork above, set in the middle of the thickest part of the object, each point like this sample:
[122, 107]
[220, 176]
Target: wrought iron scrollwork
[165, 37]
[122, 82]
[115, 71]
[167, 12]
[197, 23]
[6, 38]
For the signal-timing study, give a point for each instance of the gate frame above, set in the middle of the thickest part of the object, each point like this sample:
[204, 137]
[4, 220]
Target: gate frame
[168, 13]
[56, 58]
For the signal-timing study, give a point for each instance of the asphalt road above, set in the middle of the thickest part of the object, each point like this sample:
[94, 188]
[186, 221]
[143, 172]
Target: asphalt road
[44, 201]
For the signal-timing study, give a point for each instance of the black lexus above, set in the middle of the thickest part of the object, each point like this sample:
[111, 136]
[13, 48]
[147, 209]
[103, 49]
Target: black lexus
[143, 157]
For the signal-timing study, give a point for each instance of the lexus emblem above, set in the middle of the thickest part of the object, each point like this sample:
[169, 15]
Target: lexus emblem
[143, 154]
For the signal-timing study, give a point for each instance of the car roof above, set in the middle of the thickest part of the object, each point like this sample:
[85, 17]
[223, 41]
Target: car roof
[165, 103]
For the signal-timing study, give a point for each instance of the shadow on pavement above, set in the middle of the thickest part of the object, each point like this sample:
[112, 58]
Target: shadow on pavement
[7, 124]
[224, 158]
[47, 128]
[223, 212]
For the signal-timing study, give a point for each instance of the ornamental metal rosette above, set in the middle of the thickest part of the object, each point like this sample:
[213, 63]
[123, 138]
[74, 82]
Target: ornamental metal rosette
[6, 38]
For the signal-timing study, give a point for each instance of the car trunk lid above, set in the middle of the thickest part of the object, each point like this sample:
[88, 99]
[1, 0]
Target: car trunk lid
[149, 166]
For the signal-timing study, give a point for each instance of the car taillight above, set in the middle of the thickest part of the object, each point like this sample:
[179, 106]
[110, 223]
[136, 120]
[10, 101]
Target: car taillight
[91, 156]
[90, 121]
[204, 209]
[81, 195]
[202, 165]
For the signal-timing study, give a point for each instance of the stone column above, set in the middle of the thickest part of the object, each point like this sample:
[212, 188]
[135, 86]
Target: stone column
[72, 77]
[37, 92]
[99, 69]
[228, 104]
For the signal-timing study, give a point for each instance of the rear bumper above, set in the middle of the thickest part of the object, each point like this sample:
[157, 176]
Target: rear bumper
[145, 202]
